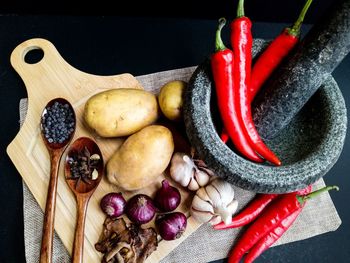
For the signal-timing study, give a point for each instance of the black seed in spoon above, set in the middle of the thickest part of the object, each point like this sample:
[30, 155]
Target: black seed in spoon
[58, 122]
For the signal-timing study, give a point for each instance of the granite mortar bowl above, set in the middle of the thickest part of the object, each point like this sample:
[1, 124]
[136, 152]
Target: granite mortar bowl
[308, 147]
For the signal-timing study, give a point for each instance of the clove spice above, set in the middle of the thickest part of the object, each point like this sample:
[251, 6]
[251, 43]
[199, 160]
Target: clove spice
[83, 166]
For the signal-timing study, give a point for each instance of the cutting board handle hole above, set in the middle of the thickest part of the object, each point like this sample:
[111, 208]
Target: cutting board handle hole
[33, 55]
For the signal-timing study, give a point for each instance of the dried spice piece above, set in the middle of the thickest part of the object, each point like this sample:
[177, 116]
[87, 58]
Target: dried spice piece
[83, 166]
[125, 244]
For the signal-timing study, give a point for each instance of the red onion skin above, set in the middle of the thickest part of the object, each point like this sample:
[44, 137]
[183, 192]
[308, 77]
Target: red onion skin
[167, 198]
[171, 226]
[113, 204]
[140, 209]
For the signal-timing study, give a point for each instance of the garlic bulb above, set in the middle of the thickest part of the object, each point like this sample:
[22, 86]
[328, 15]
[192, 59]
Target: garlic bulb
[189, 173]
[214, 203]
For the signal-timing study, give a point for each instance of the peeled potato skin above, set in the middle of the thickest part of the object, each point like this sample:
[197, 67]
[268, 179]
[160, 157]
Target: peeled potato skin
[141, 158]
[120, 112]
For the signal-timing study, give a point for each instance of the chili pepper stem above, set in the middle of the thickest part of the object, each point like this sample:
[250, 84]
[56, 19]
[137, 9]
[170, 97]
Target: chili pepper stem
[303, 198]
[295, 30]
[219, 45]
[240, 9]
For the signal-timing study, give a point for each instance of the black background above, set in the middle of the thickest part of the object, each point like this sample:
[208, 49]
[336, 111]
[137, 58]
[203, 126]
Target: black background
[258, 10]
[131, 39]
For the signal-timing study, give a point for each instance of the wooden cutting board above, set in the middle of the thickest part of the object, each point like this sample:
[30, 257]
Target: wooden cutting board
[53, 77]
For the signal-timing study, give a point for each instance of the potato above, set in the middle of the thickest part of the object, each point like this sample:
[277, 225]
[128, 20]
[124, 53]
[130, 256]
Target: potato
[141, 158]
[120, 112]
[171, 99]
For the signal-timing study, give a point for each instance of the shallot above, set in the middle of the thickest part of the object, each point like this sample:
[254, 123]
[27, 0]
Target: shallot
[113, 204]
[140, 209]
[167, 197]
[171, 226]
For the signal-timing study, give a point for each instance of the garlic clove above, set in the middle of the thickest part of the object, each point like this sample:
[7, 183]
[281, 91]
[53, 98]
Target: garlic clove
[214, 195]
[201, 177]
[225, 189]
[209, 172]
[193, 185]
[232, 207]
[200, 216]
[181, 175]
[175, 172]
[225, 214]
[215, 220]
[202, 193]
[201, 205]
[94, 174]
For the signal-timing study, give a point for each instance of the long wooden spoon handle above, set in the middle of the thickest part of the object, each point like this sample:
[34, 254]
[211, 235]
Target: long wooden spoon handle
[78, 246]
[49, 218]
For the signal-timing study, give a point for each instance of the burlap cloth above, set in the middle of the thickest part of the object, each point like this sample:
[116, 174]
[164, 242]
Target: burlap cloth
[319, 216]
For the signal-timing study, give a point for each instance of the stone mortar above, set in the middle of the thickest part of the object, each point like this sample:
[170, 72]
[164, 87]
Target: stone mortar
[308, 147]
[309, 65]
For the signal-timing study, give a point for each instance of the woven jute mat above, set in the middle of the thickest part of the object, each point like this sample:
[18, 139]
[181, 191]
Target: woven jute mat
[318, 217]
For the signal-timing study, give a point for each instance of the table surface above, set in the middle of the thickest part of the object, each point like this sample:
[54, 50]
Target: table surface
[112, 45]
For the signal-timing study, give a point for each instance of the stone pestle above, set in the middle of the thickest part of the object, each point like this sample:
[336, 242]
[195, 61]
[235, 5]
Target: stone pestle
[308, 67]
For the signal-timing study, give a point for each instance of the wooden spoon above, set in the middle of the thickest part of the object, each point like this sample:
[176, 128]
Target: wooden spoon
[55, 151]
[82, 190]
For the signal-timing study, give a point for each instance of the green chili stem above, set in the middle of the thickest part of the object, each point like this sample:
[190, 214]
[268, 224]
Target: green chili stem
[219, 45]
[240, 9]
[295, 30]
[303, 198]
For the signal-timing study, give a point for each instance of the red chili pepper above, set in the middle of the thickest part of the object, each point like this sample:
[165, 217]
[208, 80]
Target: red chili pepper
[250, 213]
[271, 218]
[275, 53]
[241, 41]
[272, 56]
[264, 243]
[222, 68]
[270, 238]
